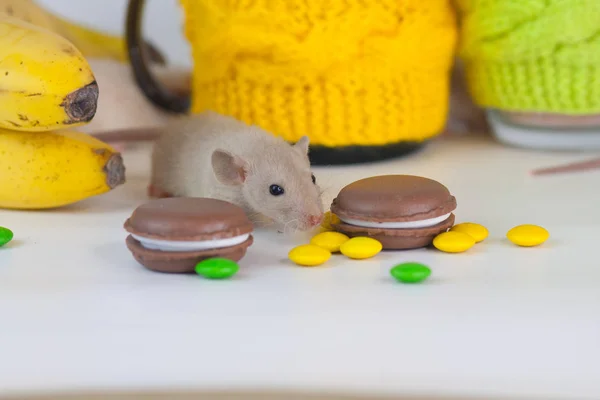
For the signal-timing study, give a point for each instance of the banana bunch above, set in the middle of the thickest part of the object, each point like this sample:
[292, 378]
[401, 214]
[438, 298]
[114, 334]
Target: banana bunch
[91, 43]
[47, 88]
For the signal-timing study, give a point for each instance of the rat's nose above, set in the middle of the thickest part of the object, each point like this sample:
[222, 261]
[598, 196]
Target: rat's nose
[314, 220]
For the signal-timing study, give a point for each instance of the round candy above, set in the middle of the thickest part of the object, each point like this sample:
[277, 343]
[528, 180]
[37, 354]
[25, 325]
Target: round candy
[6, 236]
[328, 219]
[361, 247]
[329, 240]
[309, 255]
[410, 272]
[453, 242]
[528, 235]
[476, 231]
[217, 268]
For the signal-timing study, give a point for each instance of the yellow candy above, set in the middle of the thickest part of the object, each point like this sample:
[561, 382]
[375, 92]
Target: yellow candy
[476, 231]
[328, 219]
[330, 240]
[360, 248]
[453, 242]
[528, 235]
[309, 255]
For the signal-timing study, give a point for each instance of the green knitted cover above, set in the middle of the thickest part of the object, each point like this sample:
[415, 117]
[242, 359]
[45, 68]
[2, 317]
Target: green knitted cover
[532, 55]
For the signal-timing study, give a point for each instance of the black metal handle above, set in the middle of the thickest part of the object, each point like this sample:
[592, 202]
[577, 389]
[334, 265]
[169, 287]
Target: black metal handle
[138, 58]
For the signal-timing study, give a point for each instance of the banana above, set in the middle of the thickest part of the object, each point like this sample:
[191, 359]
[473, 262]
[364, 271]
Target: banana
[28, 11]
[41, 170]
[91, 43]
[94, 44]
[45, 82]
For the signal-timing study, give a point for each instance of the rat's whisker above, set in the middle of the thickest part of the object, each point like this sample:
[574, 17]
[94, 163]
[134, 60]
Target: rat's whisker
[259, 220]
[323, 189]
[287, 224]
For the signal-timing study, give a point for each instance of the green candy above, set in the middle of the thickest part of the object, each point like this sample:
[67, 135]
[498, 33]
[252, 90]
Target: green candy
[411, 272]
[6, 236]
[217, 268]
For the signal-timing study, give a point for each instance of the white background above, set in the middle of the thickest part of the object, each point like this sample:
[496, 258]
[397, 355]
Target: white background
[162, 21]
[77, 312]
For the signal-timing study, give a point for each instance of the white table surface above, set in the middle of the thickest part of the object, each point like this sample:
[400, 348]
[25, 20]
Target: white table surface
[77, 312]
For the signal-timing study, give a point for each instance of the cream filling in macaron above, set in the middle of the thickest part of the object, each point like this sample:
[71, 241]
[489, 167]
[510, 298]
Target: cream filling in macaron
[424, 223]
[174, 245]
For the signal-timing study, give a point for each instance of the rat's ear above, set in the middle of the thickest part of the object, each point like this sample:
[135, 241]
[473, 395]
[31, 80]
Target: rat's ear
[229, 169]
[302, 144]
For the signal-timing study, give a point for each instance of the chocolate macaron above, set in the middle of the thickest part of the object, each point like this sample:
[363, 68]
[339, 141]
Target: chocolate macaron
[400, 211]
[174, 234]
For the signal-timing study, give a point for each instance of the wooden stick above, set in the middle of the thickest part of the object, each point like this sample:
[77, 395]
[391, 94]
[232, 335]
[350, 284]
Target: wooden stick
[569, 168]
[129, 135]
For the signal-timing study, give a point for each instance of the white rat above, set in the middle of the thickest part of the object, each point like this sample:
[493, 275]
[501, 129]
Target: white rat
[211, 155]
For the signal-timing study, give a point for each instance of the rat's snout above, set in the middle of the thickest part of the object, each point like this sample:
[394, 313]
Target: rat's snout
[314, 220]
[308, 221]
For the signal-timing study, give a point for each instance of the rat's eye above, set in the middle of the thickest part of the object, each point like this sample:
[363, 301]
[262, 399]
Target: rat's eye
[313, 178]
[276, 190]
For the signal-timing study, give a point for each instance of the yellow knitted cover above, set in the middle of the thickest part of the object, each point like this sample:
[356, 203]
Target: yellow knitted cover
[343, 72]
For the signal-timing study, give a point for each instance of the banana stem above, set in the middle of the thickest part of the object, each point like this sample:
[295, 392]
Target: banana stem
[114, 170]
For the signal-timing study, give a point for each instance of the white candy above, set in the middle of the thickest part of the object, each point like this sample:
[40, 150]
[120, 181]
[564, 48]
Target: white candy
[424, 223]
[173, 245]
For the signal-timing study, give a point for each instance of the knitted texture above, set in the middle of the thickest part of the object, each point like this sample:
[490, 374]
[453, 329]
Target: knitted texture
[343, 72]
[532, 55]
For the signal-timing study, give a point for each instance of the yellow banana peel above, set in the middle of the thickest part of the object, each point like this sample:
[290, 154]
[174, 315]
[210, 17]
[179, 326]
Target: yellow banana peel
[45, 82]
[44, 170]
